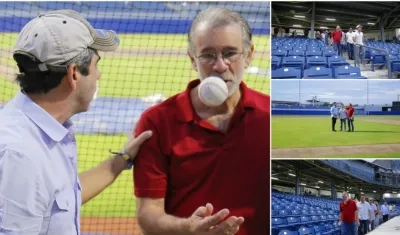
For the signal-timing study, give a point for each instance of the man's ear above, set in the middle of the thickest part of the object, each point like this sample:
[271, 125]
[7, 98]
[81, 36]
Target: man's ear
[73, 76]
[249, 56]
[192, 60]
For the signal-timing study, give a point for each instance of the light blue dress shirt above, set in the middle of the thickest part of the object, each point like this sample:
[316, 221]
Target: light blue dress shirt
[40, 191]
[334, 112]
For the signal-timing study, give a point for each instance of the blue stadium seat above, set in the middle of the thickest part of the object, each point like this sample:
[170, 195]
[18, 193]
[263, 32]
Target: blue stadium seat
[284, 212]
[279, 52]
[377, 58]
[329, 53]
[336, 61]
[318, 72]
[316, 61]
[294, 61]
[348, 72]
[306, 231]
[288, 232]
[313, 53]
[296, 53]
[286, 73]
[296, 212]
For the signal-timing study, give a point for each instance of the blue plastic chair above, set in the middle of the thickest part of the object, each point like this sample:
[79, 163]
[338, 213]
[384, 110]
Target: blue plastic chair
[286, 73]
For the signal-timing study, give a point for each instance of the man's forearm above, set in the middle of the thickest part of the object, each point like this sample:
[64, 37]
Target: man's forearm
[154, 221]
[97, 179]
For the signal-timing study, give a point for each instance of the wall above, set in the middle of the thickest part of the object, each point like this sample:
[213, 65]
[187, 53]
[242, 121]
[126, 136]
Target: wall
[278, 111]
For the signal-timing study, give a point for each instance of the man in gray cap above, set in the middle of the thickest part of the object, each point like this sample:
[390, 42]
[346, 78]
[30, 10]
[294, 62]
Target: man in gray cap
[41, 191]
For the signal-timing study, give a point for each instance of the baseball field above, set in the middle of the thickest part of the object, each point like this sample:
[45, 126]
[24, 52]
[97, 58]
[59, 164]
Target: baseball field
[144, 64]
[311, 136]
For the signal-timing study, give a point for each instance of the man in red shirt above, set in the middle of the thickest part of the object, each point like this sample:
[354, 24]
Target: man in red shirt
[337, 37]
[350, 118]
[206, 169]
[348, 219]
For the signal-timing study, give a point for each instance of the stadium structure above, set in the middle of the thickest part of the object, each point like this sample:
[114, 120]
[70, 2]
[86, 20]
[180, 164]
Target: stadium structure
[298, 51]
[318, 107]
[306, 193]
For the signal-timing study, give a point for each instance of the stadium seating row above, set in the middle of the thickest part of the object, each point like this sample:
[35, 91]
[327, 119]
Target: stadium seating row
[296, 72]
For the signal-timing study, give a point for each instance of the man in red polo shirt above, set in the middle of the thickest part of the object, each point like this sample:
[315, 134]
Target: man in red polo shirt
[350, 118]
[337, 37]
[206, 169]
[348, 219]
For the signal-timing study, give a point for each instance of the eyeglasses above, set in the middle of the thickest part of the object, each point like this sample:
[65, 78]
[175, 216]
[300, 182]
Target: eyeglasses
[228, 57]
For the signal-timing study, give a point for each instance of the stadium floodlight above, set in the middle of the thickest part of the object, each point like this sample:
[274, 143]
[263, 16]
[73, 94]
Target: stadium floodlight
[299, 16]
[296, 25]
[273, 178]
[292, 174]
[330, 19]
[319, 181]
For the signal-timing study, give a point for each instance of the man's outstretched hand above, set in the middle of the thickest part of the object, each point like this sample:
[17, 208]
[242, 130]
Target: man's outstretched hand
[203, 222]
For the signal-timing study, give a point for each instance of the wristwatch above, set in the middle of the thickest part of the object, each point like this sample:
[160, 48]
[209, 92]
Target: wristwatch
[125, 156]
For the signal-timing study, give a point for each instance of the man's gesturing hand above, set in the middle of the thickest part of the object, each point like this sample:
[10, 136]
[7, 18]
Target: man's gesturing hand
[202, 222]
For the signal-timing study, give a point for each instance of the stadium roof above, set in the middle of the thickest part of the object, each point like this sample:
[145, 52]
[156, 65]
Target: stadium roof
[346, 14]
[313, 171]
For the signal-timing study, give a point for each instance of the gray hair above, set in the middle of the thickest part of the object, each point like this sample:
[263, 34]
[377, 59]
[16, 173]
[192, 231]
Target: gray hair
[220, 17]
[83, 60]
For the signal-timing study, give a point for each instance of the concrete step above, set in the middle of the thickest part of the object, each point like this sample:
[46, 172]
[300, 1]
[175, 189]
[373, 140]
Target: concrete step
[366, 70]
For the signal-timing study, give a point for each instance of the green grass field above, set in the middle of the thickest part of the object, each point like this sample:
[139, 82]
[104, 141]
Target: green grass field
[135, 76]
[315, 131]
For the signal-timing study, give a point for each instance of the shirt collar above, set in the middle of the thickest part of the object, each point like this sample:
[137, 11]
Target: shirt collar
[43, 119]
[187, 112]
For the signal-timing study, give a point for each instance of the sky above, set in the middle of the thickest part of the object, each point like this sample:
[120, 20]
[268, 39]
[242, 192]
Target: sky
[361, 92]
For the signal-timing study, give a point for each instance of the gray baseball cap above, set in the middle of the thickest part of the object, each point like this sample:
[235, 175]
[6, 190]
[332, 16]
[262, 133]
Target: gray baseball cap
[54, 38]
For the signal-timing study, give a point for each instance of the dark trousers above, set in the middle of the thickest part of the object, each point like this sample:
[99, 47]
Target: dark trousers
[385, 218]
[363, 228]
[333, 123]
[338, 48]
[372, 224]
[350, 51]
[351, 124]
[343, 124]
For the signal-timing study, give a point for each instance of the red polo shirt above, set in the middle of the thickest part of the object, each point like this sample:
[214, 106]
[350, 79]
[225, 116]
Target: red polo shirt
[189, 162]
[337, 36]
[350, 112]
[348, 211]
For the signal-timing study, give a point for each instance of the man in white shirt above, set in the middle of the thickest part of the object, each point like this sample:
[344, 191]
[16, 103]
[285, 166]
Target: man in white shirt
[334, 115]
[350, 44]
[358, 38]
[373, 210]
[385, 211]
[364, 215]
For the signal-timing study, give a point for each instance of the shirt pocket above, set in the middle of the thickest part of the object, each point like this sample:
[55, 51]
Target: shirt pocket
[62, 214]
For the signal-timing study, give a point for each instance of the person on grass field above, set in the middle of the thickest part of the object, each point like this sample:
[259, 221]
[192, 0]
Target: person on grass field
[206, 169]
[41, 191]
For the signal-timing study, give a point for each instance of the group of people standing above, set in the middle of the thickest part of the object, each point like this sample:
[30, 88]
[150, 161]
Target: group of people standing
[344, 113]
[342, 41]
[361, 216]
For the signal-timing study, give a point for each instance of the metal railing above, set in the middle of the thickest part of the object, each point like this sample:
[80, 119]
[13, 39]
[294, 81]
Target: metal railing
[363, 47]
